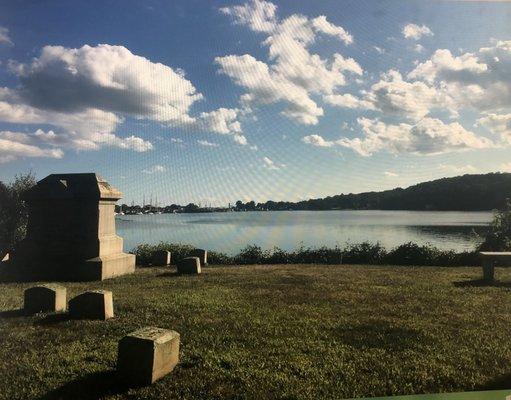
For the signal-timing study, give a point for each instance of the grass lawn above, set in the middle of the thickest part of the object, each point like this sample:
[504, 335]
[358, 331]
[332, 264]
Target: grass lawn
[289, 331]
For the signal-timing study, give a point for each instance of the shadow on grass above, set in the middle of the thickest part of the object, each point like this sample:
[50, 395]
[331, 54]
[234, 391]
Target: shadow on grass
[52, 319]
[501, 382]
[381, 335]
[89, 387]
[13, 313]
[482, 283]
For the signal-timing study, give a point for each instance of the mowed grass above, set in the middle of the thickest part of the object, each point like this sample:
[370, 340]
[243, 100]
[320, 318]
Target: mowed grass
[259, 332]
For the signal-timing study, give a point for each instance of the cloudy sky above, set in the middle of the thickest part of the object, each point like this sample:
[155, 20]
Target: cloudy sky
[217, 101]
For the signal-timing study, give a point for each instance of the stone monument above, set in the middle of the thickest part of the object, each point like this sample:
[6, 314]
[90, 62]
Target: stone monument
[71, 231]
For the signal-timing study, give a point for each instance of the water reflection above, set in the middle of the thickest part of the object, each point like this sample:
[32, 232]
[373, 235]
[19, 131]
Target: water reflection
[229, 232]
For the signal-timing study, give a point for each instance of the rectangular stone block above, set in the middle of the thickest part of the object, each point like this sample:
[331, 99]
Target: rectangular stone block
[94, 304]
[147, 354]
[189, 265]
[45, 298]
[202, 254]
[160, 258]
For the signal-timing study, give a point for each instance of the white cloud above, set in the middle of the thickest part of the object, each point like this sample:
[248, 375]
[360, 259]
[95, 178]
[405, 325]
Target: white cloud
[395, 96]
[106, 77]
[428, 137]
[205, 143]
[271, 165]
[293, 73]
[348, 101]
[259, 15]
[321, 24]
[418, 48]
[176, 140]
[86, 93]
[4, 36]
[15, 145]
[155, 169]
[390, 174]
[317, 140]
[379, 50]
[499, 124]
[241, 140]
[415, 32]
[478, 80]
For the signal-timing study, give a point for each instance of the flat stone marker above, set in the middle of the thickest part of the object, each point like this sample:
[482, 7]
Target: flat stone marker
[189, 265]
[147, 355]
[94, 304]
[203, 256]
[160, 258]
[45, 298]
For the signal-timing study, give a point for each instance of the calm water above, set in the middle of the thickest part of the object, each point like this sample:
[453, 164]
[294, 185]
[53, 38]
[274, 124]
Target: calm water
[229, 232]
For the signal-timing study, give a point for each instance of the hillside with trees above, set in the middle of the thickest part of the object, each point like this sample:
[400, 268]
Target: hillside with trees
[462, 193]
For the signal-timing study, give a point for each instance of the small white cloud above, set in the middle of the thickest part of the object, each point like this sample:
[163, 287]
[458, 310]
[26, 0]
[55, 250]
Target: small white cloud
[205, 143]
[155, 169]
[317, 140]
[390, 174]
[176, 140]
[379, 50]
[415, 32]
[418, 48]
[4, 36]
[271, 165]
[240, 139]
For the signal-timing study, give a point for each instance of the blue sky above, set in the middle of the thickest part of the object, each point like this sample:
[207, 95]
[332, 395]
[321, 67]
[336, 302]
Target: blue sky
[212, 102]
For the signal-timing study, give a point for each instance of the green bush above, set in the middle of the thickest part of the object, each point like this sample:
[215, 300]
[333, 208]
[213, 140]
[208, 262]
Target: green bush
[499, 234]
[14, 211]
[361, 253]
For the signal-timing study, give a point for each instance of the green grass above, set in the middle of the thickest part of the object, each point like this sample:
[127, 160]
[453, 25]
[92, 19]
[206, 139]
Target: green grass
[289, 331]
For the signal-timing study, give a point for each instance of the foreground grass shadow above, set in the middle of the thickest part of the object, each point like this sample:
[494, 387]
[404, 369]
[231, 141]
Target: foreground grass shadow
[381, 335]
[502, 382]
[90, 387]
[13, 313]
[482, 283]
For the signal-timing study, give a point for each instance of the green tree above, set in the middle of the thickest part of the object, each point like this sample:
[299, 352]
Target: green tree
[499, 235]
[14, 211]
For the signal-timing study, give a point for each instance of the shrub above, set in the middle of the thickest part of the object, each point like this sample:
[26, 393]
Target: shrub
[14, 211]
[499, 234]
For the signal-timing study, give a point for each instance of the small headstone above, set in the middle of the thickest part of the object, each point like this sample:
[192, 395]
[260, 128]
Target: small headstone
[45, 298]
[160, 258]
[189, 265]
[203, 256]
[95, 304]
[147, 355]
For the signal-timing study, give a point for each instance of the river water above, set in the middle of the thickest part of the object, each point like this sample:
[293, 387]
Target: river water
[229, 232]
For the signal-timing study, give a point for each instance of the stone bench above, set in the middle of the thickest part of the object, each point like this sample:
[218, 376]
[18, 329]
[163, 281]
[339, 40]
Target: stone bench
[147, 354]
[489, 259]
[45, 298]
[94, 304]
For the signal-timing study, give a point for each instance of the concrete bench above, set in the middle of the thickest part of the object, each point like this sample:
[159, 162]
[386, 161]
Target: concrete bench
[489, 259]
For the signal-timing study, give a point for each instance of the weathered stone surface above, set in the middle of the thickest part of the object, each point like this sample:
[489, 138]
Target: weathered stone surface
[45, 298]
[203, 256]
[94, 304]
[160, 258]
[71, 231]
[489, 259]
[189, 265]
[147, 355]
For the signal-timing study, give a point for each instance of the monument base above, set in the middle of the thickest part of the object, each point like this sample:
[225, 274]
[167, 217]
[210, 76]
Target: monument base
[109, 266]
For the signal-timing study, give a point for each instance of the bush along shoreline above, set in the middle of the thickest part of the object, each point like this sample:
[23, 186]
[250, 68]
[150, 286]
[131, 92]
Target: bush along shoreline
[362, 253]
